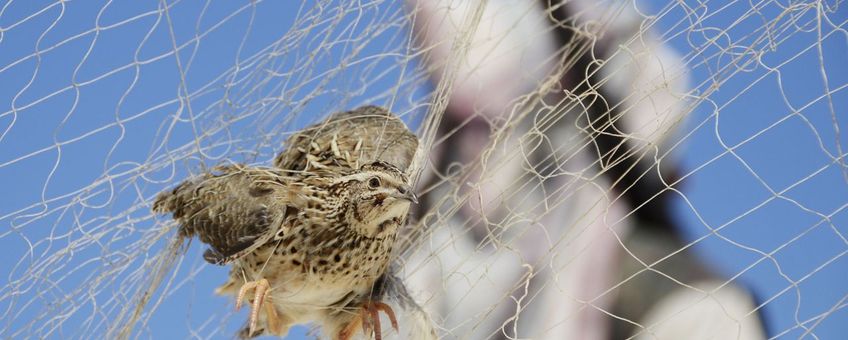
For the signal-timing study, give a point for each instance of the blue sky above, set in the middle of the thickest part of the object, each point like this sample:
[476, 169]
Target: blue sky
[771, 149]
[75, 126]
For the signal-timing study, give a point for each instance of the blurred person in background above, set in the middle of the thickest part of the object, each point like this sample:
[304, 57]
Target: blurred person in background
[550, 179]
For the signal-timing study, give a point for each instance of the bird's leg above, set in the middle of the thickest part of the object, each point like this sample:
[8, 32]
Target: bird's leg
[260, 288]
[277, 324]
[369, 319]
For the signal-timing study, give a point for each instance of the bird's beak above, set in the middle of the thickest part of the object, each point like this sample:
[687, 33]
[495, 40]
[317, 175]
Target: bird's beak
[405, 193]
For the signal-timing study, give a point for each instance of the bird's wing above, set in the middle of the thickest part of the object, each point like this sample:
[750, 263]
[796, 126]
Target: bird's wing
[234, 210]
[350, 139]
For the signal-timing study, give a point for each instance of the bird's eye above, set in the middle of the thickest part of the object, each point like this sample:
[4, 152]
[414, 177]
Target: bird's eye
[374, 182]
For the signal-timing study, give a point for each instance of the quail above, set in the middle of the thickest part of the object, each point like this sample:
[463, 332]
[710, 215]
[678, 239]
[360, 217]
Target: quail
[310, 236]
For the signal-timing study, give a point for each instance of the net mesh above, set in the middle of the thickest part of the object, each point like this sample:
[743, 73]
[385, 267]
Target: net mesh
[588, 169]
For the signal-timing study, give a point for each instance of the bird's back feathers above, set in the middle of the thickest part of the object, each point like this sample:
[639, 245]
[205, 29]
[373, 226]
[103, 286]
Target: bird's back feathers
[350, 139]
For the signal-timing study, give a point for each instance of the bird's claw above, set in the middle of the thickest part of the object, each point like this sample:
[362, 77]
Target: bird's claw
[369, 319]
[260, 288]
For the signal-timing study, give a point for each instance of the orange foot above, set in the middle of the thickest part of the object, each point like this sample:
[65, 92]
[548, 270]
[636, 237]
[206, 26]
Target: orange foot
[367, 317]
[260, 288]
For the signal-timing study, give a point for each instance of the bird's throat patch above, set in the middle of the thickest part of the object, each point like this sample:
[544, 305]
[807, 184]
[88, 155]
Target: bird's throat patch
[378, 199]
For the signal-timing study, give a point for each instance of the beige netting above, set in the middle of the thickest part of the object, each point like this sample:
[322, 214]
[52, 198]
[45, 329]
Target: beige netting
[588, 169]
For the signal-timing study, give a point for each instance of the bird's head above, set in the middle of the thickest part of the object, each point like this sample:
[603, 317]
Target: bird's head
[381, 197]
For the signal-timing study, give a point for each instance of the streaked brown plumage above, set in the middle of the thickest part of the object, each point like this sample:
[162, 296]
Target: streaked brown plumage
[313, 233]
[349, 139]
[233, 209]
